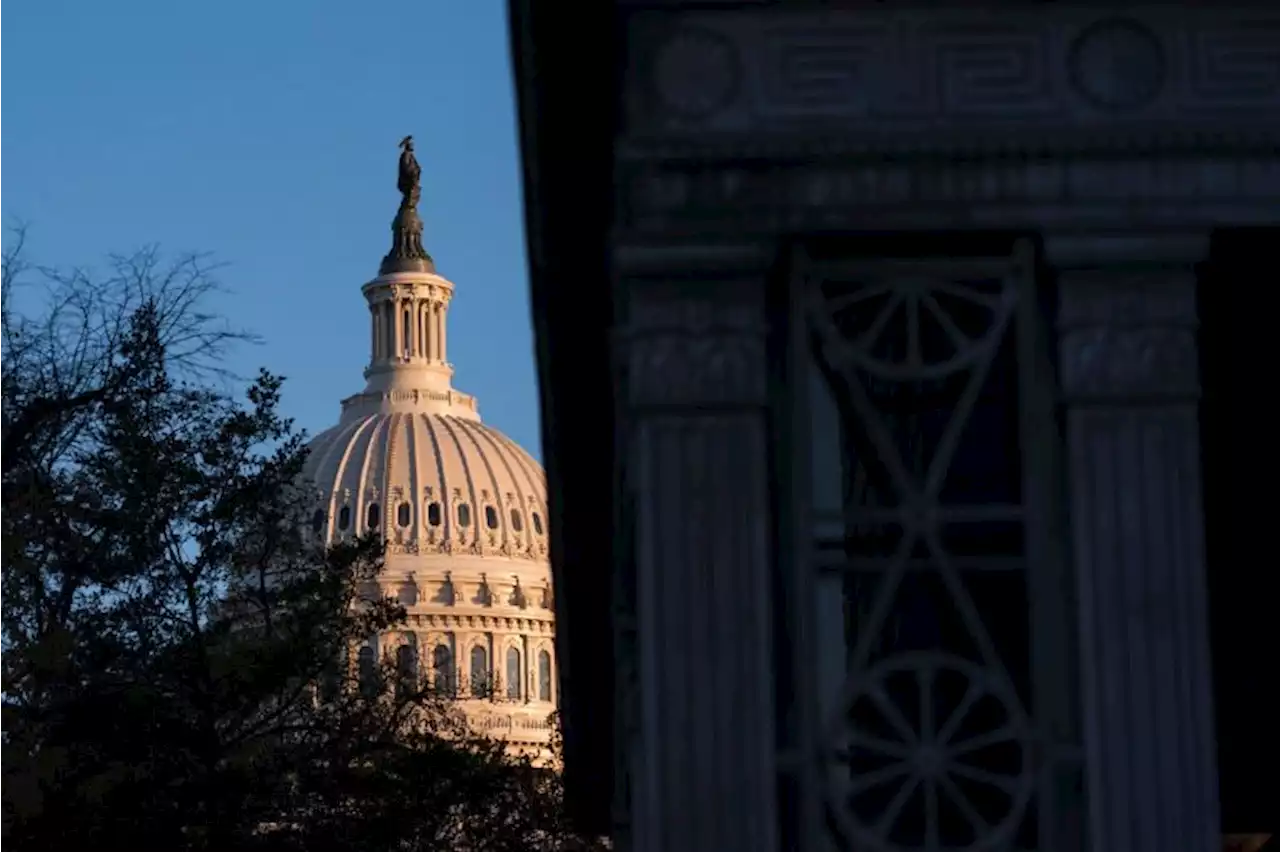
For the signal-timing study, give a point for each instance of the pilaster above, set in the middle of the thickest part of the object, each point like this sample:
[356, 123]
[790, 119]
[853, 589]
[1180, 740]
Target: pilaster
[1128, 371]
[697, 644]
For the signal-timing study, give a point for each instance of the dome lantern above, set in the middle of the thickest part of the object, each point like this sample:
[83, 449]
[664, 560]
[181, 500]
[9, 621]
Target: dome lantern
[408, 308]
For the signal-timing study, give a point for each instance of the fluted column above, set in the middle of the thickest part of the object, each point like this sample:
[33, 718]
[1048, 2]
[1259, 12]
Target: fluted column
[403, 339]
[389, 322]
[428, 330]
[440, 331]
[433, 326]
[695, 643]
[1129, 378]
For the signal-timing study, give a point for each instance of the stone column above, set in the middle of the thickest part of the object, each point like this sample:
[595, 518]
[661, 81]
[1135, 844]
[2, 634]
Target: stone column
[695, 649]
[424, 314]
[433, 323]
[1128, 371]
[389, 322]
[440, 330]
[397, 328]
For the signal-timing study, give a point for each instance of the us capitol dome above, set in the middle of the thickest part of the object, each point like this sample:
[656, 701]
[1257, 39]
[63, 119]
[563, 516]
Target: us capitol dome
[461, 507]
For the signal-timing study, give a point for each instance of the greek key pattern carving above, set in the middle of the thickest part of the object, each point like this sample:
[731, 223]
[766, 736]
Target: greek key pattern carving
[693, 350]
[883, 70]
[1133, 338]
[1234, 62]
[950, 70]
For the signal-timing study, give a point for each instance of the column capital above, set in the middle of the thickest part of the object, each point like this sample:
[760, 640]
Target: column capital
[1128, 335]
[691, 345]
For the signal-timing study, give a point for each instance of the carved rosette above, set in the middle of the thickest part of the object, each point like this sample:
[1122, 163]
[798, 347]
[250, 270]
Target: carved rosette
[696, 71]
[1128, 336]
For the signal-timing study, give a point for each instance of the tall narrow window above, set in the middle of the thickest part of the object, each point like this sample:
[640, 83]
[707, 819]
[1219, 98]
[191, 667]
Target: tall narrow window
[442, 663]
[331, 681]
[344, 517]
[368, 667]
[408, 334]
[491, 517]
[464, 515]
[517, 522]
[927, 456]
[373, 516]
[544, 676]
[406, 669]
[514, 676]
[404, 514]
[433, 514]
[480, 672]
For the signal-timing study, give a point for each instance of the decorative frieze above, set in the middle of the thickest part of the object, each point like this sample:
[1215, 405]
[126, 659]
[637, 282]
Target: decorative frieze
[755, 122]
[880, 69]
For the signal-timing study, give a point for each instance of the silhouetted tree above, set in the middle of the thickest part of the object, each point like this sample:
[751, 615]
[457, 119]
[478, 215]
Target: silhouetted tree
[176, 640]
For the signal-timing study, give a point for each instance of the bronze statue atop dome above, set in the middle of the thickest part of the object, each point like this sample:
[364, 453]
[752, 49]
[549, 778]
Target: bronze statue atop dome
[407, 253]
[408, 181]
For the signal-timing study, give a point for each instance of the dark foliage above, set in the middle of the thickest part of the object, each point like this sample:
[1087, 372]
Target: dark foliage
[175, 642]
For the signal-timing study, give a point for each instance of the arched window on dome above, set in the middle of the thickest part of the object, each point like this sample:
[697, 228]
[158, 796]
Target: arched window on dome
[344, 517]
[442, 664]
[515, 678]
[373, 516]
[368, 671]
[481, 682]
[406, 668]
[544, 675]
[433, 513]
[464, 515]
[517, 522]
[537, 522]
[404, 514]
[491, 517]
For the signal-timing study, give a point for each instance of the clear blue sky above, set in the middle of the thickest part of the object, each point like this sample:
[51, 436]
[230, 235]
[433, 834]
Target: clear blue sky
[264, 132]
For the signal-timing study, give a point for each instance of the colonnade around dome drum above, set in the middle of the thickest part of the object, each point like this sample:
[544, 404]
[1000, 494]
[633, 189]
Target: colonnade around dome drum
[504, 681]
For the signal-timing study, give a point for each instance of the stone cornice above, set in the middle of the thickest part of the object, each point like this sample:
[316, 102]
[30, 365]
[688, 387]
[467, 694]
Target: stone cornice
[499, 623]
